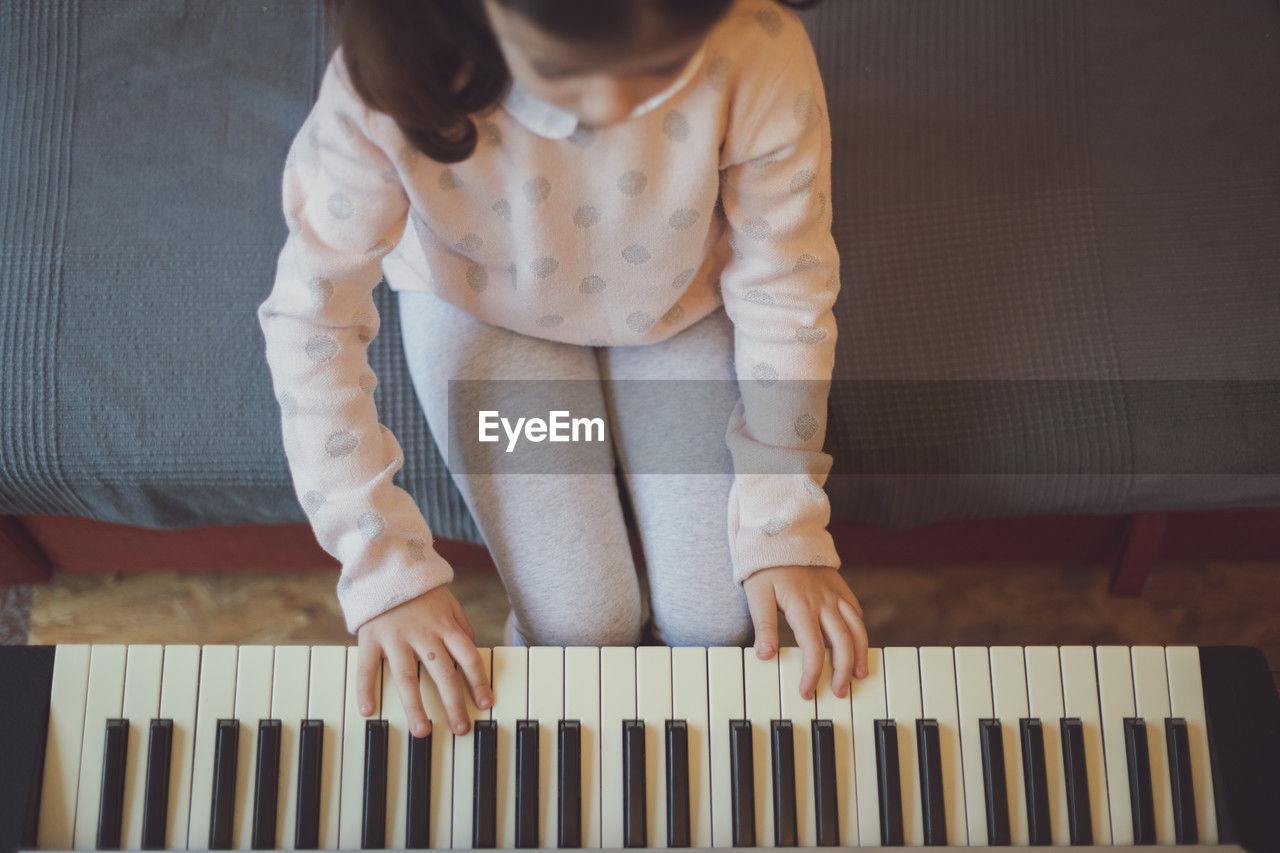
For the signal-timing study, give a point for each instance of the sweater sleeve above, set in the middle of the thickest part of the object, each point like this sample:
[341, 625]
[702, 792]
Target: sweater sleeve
[345, 209]
[778, 287]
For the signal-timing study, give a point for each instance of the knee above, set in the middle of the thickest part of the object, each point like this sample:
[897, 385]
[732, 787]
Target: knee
[593, 621]
[706, 622]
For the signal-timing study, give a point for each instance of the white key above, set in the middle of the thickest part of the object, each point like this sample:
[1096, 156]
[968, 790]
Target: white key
[1186, 700]
[690, 703]
[1080, 699]
[868, 703]
[179, 687]
[1115, 695]
[840, 713]
[938, 697]
[725, 695]
[440, 805]
[397, 756]
[104, 701]
[902, 696]
[351, 801]
[617, 703]
[763, 704]
[1009, 697]
[326, 685]
[1151, 701]
[217, 700]
[144, 665]
[653, 705]
[1044, 697]
[62, 753]
[511, 702]
[973, 695]
[582, 703]
[289, 705]
[801, 713]
[253, 703]
[546, 705]
[464, 757]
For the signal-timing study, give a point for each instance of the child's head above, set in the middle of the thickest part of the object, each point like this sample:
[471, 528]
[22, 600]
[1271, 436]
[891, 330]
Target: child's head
[430, 63]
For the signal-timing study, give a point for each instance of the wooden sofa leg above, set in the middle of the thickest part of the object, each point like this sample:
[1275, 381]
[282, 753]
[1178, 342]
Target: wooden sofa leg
[1142, 539]
[22, 560]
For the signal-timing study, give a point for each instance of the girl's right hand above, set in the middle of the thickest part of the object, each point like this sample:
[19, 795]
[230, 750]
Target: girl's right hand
[433, 629]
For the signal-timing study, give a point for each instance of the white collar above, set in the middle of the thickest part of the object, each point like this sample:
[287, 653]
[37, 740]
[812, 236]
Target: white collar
[552, 122]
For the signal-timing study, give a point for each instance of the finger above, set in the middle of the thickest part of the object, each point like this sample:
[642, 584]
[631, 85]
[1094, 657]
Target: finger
[402, 670]
[860, 641]
[809, 637]
[842, 649]
[468, 658]
[462, 620]
[368, 674]
[448, 680]
[764, 616]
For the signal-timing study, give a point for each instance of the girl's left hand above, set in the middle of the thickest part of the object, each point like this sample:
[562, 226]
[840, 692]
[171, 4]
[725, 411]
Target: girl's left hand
[815, 599]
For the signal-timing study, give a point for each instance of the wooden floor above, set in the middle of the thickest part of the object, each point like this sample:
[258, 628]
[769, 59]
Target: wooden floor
[1183, 603]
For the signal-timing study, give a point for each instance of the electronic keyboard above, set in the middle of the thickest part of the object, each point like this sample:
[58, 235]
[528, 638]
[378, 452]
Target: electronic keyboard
[261, 747]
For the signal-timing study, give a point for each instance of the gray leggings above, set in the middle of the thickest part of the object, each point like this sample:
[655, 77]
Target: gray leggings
[560, 540]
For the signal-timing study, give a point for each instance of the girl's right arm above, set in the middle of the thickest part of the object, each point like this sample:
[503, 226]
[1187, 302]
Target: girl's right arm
[346, 208]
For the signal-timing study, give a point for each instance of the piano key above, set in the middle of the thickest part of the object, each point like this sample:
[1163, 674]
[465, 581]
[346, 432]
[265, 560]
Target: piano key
[215, 701]
[653, 708]
[783, 766]
[510, 683]
[155, 809]
[397, 775]
[938, 695]
[1184, 806]
[439, 816]
[103, 702]
[995, 782]
[1080, 701]
[933, 804]
[888, 784]
[311, 758]
[868, 705]
[690, 703]
[350, 800]
[677, 782]
[1115, 700]
[1186, 700]
[254, 666]
[546, 707]
[569, 797]
[1138, 759]
[837, 713]
[902, 694]
[799, 712]
[582, 703]
[179, 689]
[484, 821]
[1079, 815]
[464, 761]
[761, 686]
[617, 703]
[1044, 702]
[222, 812]
[326, 688]
[1151, 703]
[373, 812]
[635, 830]
[742, 814]
[527, 810]
[266, 786]
[725, 703]
[62, 755]
[111, 799]
[418, 792]
[973, 703]
[826, 805]
[289, 676]
[1009, 699]
[144, 665]
[1036, 782]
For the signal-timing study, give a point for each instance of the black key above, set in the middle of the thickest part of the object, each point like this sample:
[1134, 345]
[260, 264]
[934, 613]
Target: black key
[1184, 795]
[223, 807]
[155, 806]
[1035, 781]
[417, 834]
[634, 831]
[1079, 815]
[932, 799]
[484, 812]
[993, 779]
[678, 831]
[743, 786]
[306, 834]
[266, 792]
[569, 810]
[373, 826]
[1140, 799]
[111, 802]
[824, 783]
[890, 783]
[782, 739]
[526, 783]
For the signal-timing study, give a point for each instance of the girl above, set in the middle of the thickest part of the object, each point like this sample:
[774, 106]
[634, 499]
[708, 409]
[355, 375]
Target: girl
[570, 190]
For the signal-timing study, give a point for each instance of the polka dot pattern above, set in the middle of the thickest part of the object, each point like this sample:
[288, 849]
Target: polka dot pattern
[806, 110]
[806, 262]
[344, 585]
[469, 243]
[543, 267]
[340, 206]
[477, 278]
[312, 501]
[288, 405]
[636, 254]
[449, 180]
[676, 126]
[550, 321]
[811, 335]
[683, 218]
[759, 297]
[802, 180]
[341, 443]
[815, 491]
[586, 216]
[673, 315]
[639, 322]
[537, 190]
[369, 383]
[417, 550]
[775, 525]
[765, 374]
[718, 73]
[502, 207]
[582, 136]
[684, 279]
[321, 348]
[632, 183]
[371, 525]
[806, 426]
[321, 289]
[770, 21]
[592, 284]
[756, 228]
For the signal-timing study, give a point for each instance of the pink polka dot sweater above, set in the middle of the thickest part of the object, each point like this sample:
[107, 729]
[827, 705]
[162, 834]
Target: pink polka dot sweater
[717, 192]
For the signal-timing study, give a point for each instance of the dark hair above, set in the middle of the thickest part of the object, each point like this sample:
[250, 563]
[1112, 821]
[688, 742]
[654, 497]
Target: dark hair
[430, 64]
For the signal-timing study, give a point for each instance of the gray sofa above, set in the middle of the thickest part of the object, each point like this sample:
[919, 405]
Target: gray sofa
[1059, 223]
